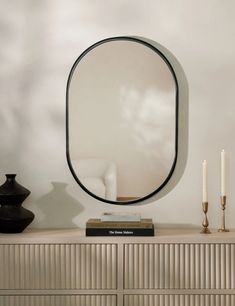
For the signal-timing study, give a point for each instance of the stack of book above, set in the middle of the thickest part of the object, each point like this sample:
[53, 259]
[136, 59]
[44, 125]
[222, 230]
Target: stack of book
[114, 225]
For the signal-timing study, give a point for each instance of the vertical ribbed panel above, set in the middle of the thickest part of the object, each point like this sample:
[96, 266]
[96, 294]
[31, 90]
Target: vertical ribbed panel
[179, 266]
[44, 266]
[179, 300]
[74, 300]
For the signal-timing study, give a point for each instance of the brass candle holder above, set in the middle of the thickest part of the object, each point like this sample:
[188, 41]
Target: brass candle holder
[222, 205]
[205, 223]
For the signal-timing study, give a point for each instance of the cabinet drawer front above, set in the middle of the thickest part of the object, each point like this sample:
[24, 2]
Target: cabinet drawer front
[75, 300]
[179, 266]
[180, 300]
[58, 266]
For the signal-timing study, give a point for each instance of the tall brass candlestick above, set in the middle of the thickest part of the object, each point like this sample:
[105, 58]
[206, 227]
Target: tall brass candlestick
[205, 223]
[223, 204]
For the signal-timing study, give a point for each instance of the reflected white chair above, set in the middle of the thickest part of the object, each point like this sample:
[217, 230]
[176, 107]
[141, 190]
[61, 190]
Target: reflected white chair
[98, 175]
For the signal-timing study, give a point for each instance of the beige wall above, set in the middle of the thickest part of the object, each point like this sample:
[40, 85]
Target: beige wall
[40, 41]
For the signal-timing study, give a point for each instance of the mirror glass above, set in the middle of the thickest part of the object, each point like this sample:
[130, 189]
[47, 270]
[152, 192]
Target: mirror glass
[122, 120]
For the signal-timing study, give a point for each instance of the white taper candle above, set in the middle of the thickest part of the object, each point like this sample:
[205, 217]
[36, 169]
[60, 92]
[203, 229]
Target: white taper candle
[204, 182]
[223, 181]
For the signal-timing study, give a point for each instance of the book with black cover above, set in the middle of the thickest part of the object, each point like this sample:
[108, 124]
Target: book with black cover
[120, 231]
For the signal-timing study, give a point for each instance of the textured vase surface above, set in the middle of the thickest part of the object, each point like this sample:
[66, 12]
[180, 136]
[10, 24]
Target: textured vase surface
[13, 217]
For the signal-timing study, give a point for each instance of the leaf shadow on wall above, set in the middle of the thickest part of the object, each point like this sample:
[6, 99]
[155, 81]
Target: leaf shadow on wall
[58, 207]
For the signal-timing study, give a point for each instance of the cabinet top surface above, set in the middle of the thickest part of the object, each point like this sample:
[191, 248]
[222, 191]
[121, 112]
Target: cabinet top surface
[162, 235]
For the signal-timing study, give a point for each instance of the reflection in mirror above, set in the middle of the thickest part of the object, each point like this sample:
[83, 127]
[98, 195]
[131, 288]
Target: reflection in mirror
[122, 120]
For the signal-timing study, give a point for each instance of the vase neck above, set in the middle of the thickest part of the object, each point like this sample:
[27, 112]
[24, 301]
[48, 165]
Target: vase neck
[10, 177]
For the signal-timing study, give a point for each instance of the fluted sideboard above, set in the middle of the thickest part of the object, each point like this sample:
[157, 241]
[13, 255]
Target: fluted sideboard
[177, 267]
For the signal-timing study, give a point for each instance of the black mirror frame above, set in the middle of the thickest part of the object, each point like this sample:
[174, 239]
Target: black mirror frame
[149, 45]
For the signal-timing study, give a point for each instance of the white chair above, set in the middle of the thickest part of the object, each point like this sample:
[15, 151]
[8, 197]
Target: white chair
[99, 176]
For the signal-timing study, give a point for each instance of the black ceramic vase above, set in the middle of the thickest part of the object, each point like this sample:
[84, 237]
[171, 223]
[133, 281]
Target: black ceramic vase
[13, 217]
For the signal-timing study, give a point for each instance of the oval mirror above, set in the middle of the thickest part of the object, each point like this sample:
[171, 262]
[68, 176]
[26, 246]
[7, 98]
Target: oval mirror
[122, 120]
